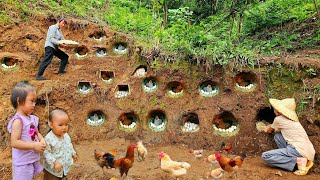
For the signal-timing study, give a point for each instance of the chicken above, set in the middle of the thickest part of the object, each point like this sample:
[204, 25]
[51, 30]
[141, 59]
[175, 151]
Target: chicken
[197, 153]
[228, 164]
[226, 147]
[242, 82]
[142, 151]
[177, 89]
[125, 120]
[215, 173]
[175, 168]
[124, 163]
[100, 160]
[212, 159]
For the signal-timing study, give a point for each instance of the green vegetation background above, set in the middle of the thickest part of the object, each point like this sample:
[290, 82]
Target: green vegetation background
[198, 31]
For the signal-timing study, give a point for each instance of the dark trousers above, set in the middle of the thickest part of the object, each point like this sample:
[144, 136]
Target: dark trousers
[49, 53]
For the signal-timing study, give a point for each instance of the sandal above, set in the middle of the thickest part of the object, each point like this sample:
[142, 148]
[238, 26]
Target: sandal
[304, 170]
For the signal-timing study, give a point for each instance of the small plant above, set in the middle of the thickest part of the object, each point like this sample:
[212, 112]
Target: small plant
[311, 72]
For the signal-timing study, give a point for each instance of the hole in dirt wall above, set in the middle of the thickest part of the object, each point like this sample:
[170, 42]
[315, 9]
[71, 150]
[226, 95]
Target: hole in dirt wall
[98, 35]
[106, 76]
[225, 124]
[190, 122]
[81, 52]
[122, 91]
[101, 52]
[140, 71]
[96, 118]
[84, 87]
[208, 89]
[9, 63]
[245, 81]
[264, 117]
[120, 48]
[157, 120]
[128, 122]
[175, 89]
[150, 84]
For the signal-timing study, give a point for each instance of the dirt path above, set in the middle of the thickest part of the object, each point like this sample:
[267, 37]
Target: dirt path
[86, 167]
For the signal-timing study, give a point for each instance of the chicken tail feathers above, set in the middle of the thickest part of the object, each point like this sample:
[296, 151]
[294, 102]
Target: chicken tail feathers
[109, 159]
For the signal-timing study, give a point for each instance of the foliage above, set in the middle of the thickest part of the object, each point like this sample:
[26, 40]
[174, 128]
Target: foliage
[202, 31]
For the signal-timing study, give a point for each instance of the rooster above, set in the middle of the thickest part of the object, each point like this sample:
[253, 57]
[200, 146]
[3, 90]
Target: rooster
[197, 153]
[124, 163]
[226, 147]
[228, 164]
[142, 151]
[100, 160]
[175, 168]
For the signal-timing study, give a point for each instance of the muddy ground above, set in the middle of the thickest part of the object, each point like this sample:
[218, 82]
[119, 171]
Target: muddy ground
[24, 42]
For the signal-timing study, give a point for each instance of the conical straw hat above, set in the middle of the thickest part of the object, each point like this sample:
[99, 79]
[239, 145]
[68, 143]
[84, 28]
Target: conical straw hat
[286, 107]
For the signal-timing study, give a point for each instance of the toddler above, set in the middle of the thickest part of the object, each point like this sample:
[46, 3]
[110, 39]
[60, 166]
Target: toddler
[26, 141]
[292, 140]
[59, 153]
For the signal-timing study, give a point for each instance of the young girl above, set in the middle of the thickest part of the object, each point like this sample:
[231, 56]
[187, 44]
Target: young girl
[59, 154]
[26, 141]
[292, 140]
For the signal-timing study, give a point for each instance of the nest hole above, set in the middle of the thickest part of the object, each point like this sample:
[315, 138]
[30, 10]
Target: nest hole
[9, 62]
[150, 84]
[225, 124]
[264, 117]
[107, 76]
[140, 71]
[98, 35]
[175, 89]
[157, 120]
[81, 52]
[101, 52]
[120, 48]
[208, 89]
[128, 121]
[245, 81]
[122, 91]
[96, 118]
[84, 87]
[190, 122]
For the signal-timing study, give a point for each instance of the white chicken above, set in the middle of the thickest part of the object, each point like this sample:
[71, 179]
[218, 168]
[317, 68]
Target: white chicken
[175, 168]
[216, 173]
[142, 151]
[212, 159]
[197, 153]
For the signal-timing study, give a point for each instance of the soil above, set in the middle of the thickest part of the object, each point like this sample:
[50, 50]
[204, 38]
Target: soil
[24, 41]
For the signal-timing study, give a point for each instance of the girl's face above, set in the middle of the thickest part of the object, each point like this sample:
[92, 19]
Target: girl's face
[28, 107]
[59, 124]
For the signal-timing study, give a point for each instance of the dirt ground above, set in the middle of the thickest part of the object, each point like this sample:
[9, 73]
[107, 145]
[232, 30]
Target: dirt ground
[24, 42]
[86, 167]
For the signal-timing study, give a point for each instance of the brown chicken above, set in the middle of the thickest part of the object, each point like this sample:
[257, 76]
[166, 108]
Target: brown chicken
[123, 164]
[228, 164]
[177, 89]
[100, 160]
[226, 147]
